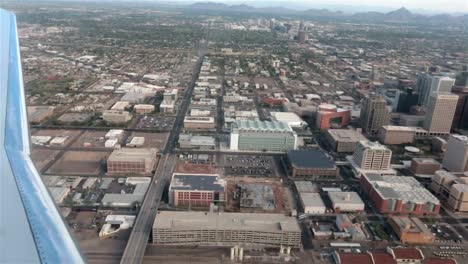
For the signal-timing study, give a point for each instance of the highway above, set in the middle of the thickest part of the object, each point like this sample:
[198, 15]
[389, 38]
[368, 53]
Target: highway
[136, 245]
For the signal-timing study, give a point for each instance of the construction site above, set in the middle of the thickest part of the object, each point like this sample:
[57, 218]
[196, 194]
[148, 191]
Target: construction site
[257, 195]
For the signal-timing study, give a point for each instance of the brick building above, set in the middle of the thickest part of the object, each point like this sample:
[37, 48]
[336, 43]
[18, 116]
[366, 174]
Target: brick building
[196, 190]
[399, 195]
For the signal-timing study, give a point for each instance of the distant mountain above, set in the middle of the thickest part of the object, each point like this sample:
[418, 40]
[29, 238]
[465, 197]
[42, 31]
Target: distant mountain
[401, 15]
[209, 6]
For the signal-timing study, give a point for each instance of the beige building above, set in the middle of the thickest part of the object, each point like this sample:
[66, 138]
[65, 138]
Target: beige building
[199, 123]
[456, 156]
[226, 229]
[424, 166]
[143, 108]
[344, 140]
[37, 114]
[440, 112]
[115, 116]
[395, 135]
[371, 157]
[139, 161]
[452, 188]
[374, 113]
[120, 106]
[411, 230]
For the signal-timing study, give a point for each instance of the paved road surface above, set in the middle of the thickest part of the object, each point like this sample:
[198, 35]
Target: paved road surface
[136, 245]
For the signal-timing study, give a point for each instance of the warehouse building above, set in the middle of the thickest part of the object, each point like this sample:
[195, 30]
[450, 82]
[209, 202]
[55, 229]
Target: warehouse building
[136, 142]
[451, 188]
[399, 195]
[187, 141]
[411, 230]
[116, 117]
[256, 135]
[344, 140]
[292, 119]
[139, 161]
[312, 203]
[226, 229]
[199, 123]
[196, 190]
[134, 98]
[345, 202]
[313, 163]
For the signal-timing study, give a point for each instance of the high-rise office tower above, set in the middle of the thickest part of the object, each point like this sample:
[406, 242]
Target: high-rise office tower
[428, 84]
[456, 157]
[462, 77]
[302, 36]
[404, 100]
[374, 113]
[460, 120]
[440, 112]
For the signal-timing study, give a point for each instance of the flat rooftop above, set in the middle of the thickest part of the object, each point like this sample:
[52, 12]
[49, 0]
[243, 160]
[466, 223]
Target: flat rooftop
[310, 158]
[345, 198]
[312, 200]
[257, 125]
[410, 224]
[306, 187]
[197, 182]
[404, 188]
[225, 221]
[346, 135]
[133, 154]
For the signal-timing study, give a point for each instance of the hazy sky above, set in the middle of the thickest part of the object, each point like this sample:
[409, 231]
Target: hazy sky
[434, 5]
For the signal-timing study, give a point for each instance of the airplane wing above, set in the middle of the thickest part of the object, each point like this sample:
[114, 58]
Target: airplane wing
[31, 227]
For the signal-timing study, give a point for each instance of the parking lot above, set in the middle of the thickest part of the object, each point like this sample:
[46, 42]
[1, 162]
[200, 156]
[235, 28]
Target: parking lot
[445, 234]
[250, 165]
[160, 123]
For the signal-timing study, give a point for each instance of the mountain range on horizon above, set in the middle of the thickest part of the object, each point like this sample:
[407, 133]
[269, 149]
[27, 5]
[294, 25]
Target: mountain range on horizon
[399, 15]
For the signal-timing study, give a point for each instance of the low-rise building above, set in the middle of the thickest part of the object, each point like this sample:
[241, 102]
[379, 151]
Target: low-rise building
[136, 142]
[292, 119]
[396, 135]
[411, 230]
[312, 203]
[345, 202]
[143, 108]
[226, 229]
[120, 106]
[424, 166]
[313, 163]
[134, 98]
[187, 141]
[399, 195]
[114, 116]
[199, 123]
[196, 190]
[344, 140]
[140, 161]
[256, 135]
